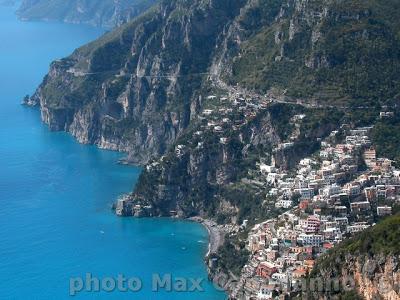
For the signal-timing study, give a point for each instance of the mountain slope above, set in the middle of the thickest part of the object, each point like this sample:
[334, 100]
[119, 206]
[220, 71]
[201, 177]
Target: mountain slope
[138, 88]
[324, 50]
[106, 13]
[135, 88]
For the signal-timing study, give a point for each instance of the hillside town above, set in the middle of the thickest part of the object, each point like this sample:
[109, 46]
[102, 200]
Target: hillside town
[200, 149]
[341, 190]
[329, 198]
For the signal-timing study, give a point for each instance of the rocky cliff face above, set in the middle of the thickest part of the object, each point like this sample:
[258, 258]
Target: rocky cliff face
[372, 278]
[188, 180]
[380, 278]
[368, 264]
[141, 88]
[136, 88]
[209, 171]
[104, 13]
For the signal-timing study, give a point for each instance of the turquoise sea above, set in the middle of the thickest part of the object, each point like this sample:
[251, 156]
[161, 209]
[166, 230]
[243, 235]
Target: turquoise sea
[56, 221]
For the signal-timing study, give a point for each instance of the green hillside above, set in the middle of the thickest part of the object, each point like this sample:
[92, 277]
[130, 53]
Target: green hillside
[382, 239]
[330, 50]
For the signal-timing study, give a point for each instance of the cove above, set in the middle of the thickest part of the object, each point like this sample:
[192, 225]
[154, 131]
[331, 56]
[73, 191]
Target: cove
[56, 221]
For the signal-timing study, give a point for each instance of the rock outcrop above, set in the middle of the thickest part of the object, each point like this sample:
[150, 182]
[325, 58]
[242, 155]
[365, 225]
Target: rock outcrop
[368, 264]
[187, 181]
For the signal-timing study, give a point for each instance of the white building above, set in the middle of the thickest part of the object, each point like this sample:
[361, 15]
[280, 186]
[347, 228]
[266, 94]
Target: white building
[306, 193]
[266, 169]
[284, 204]
[331, 190]
[383, 211]
[264, 293]
[356, 228]
[310, 239]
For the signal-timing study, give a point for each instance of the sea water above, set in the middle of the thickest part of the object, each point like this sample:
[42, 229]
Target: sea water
[56, 222]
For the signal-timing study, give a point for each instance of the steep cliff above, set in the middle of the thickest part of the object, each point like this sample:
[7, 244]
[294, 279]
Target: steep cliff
[211, 170]
[105, 13]
[135, 89]
[368, 264]
[193, 178]
[142, 87]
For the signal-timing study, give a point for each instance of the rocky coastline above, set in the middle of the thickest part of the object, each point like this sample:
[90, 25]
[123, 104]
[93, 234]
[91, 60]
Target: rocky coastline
[105, 13]
[202, 137]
